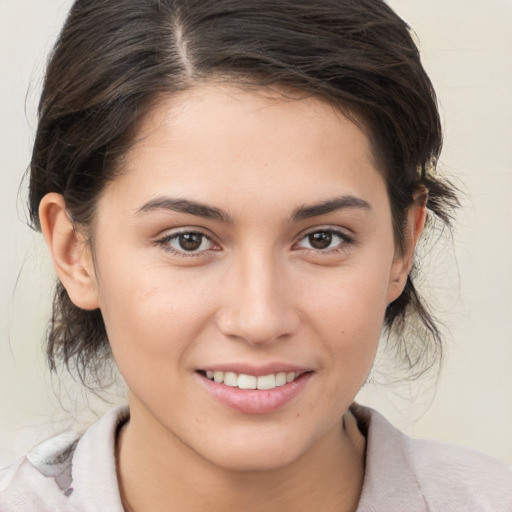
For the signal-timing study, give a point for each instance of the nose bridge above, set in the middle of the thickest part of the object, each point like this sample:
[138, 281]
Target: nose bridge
[258, 308]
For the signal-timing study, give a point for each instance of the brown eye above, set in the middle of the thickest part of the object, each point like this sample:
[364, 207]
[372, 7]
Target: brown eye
[190, 241]
[324, 240]
[320, 240]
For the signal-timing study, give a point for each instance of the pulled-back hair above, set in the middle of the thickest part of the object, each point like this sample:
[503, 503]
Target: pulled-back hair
[115, 57]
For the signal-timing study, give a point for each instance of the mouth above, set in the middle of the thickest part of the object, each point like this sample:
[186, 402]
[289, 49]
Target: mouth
[252, 394]
[246, 381]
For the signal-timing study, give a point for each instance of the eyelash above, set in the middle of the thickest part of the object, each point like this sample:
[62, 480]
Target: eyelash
[165, 243]
[342, 245]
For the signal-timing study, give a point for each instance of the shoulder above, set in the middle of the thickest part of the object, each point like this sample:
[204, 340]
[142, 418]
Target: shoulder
[465, 478]
[411, 474]
[59, 474]
[40, 480]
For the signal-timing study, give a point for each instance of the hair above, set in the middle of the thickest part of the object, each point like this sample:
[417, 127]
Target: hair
[114, 58]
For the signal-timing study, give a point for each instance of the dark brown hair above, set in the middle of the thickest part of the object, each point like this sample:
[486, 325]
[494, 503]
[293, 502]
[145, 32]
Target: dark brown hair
[114, 57]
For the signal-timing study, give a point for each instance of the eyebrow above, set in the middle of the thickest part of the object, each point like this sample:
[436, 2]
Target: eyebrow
[338, 203]
[210, 212]
[185, 206]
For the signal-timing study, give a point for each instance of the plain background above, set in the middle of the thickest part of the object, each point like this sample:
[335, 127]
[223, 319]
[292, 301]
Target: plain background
[466, 47]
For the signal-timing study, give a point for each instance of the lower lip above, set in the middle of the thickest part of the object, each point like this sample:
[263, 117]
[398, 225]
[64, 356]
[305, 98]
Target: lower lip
[254, 401]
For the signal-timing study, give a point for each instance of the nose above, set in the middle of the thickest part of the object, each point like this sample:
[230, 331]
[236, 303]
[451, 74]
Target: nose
[258, 305]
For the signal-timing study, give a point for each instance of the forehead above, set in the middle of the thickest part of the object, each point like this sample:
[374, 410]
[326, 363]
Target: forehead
[217, 143]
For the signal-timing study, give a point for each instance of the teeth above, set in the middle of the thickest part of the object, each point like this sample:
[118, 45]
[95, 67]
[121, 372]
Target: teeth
[231, 379]
[267, 381]
[243, 381]
[280, 379]
[247, 381]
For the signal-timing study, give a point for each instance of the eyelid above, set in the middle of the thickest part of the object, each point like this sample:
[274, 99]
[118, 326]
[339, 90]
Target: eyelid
[163, 241]
[337, 231]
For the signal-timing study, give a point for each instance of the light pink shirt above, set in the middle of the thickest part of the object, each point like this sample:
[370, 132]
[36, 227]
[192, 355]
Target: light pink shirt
[68, 473]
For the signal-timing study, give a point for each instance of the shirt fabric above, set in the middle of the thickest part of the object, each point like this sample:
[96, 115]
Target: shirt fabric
[78, 474]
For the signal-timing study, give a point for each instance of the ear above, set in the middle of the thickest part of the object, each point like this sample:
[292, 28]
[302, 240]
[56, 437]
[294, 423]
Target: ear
[70, 253]
[402, 264]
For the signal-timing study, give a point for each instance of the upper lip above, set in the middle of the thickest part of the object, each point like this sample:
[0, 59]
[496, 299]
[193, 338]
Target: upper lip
[256, 370]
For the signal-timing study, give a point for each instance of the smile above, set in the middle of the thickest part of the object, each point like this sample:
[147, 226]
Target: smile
[245, 381]
[254, 394]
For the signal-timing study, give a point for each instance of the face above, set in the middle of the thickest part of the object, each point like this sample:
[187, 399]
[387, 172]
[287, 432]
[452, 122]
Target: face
[247, 244]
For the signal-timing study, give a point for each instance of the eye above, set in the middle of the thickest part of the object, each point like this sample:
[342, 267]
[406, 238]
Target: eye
[187, 242]
[324, 240]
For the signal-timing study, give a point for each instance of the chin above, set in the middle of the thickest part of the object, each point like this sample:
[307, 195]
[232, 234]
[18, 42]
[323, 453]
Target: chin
[252, 460]
[256, 451]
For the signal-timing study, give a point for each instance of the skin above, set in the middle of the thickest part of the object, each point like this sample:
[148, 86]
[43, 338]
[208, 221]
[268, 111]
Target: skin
[255, 292]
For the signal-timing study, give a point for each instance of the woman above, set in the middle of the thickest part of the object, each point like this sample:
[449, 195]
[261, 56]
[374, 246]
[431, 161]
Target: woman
[232, 193]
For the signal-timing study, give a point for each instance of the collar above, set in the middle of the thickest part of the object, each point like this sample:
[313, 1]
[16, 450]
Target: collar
[390, 483]
[94, 466]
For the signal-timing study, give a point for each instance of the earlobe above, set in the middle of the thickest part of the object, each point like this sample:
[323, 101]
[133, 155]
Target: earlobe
[402, 265]
[70, 254]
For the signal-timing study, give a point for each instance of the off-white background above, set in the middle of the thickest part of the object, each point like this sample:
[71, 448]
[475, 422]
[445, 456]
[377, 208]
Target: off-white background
[466, 47]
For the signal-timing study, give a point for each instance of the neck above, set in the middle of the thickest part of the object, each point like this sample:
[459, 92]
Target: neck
[164, 474]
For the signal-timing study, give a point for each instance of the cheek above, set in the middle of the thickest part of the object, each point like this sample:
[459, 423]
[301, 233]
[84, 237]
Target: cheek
[352, 300]
[151, 316]
[347, 315]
